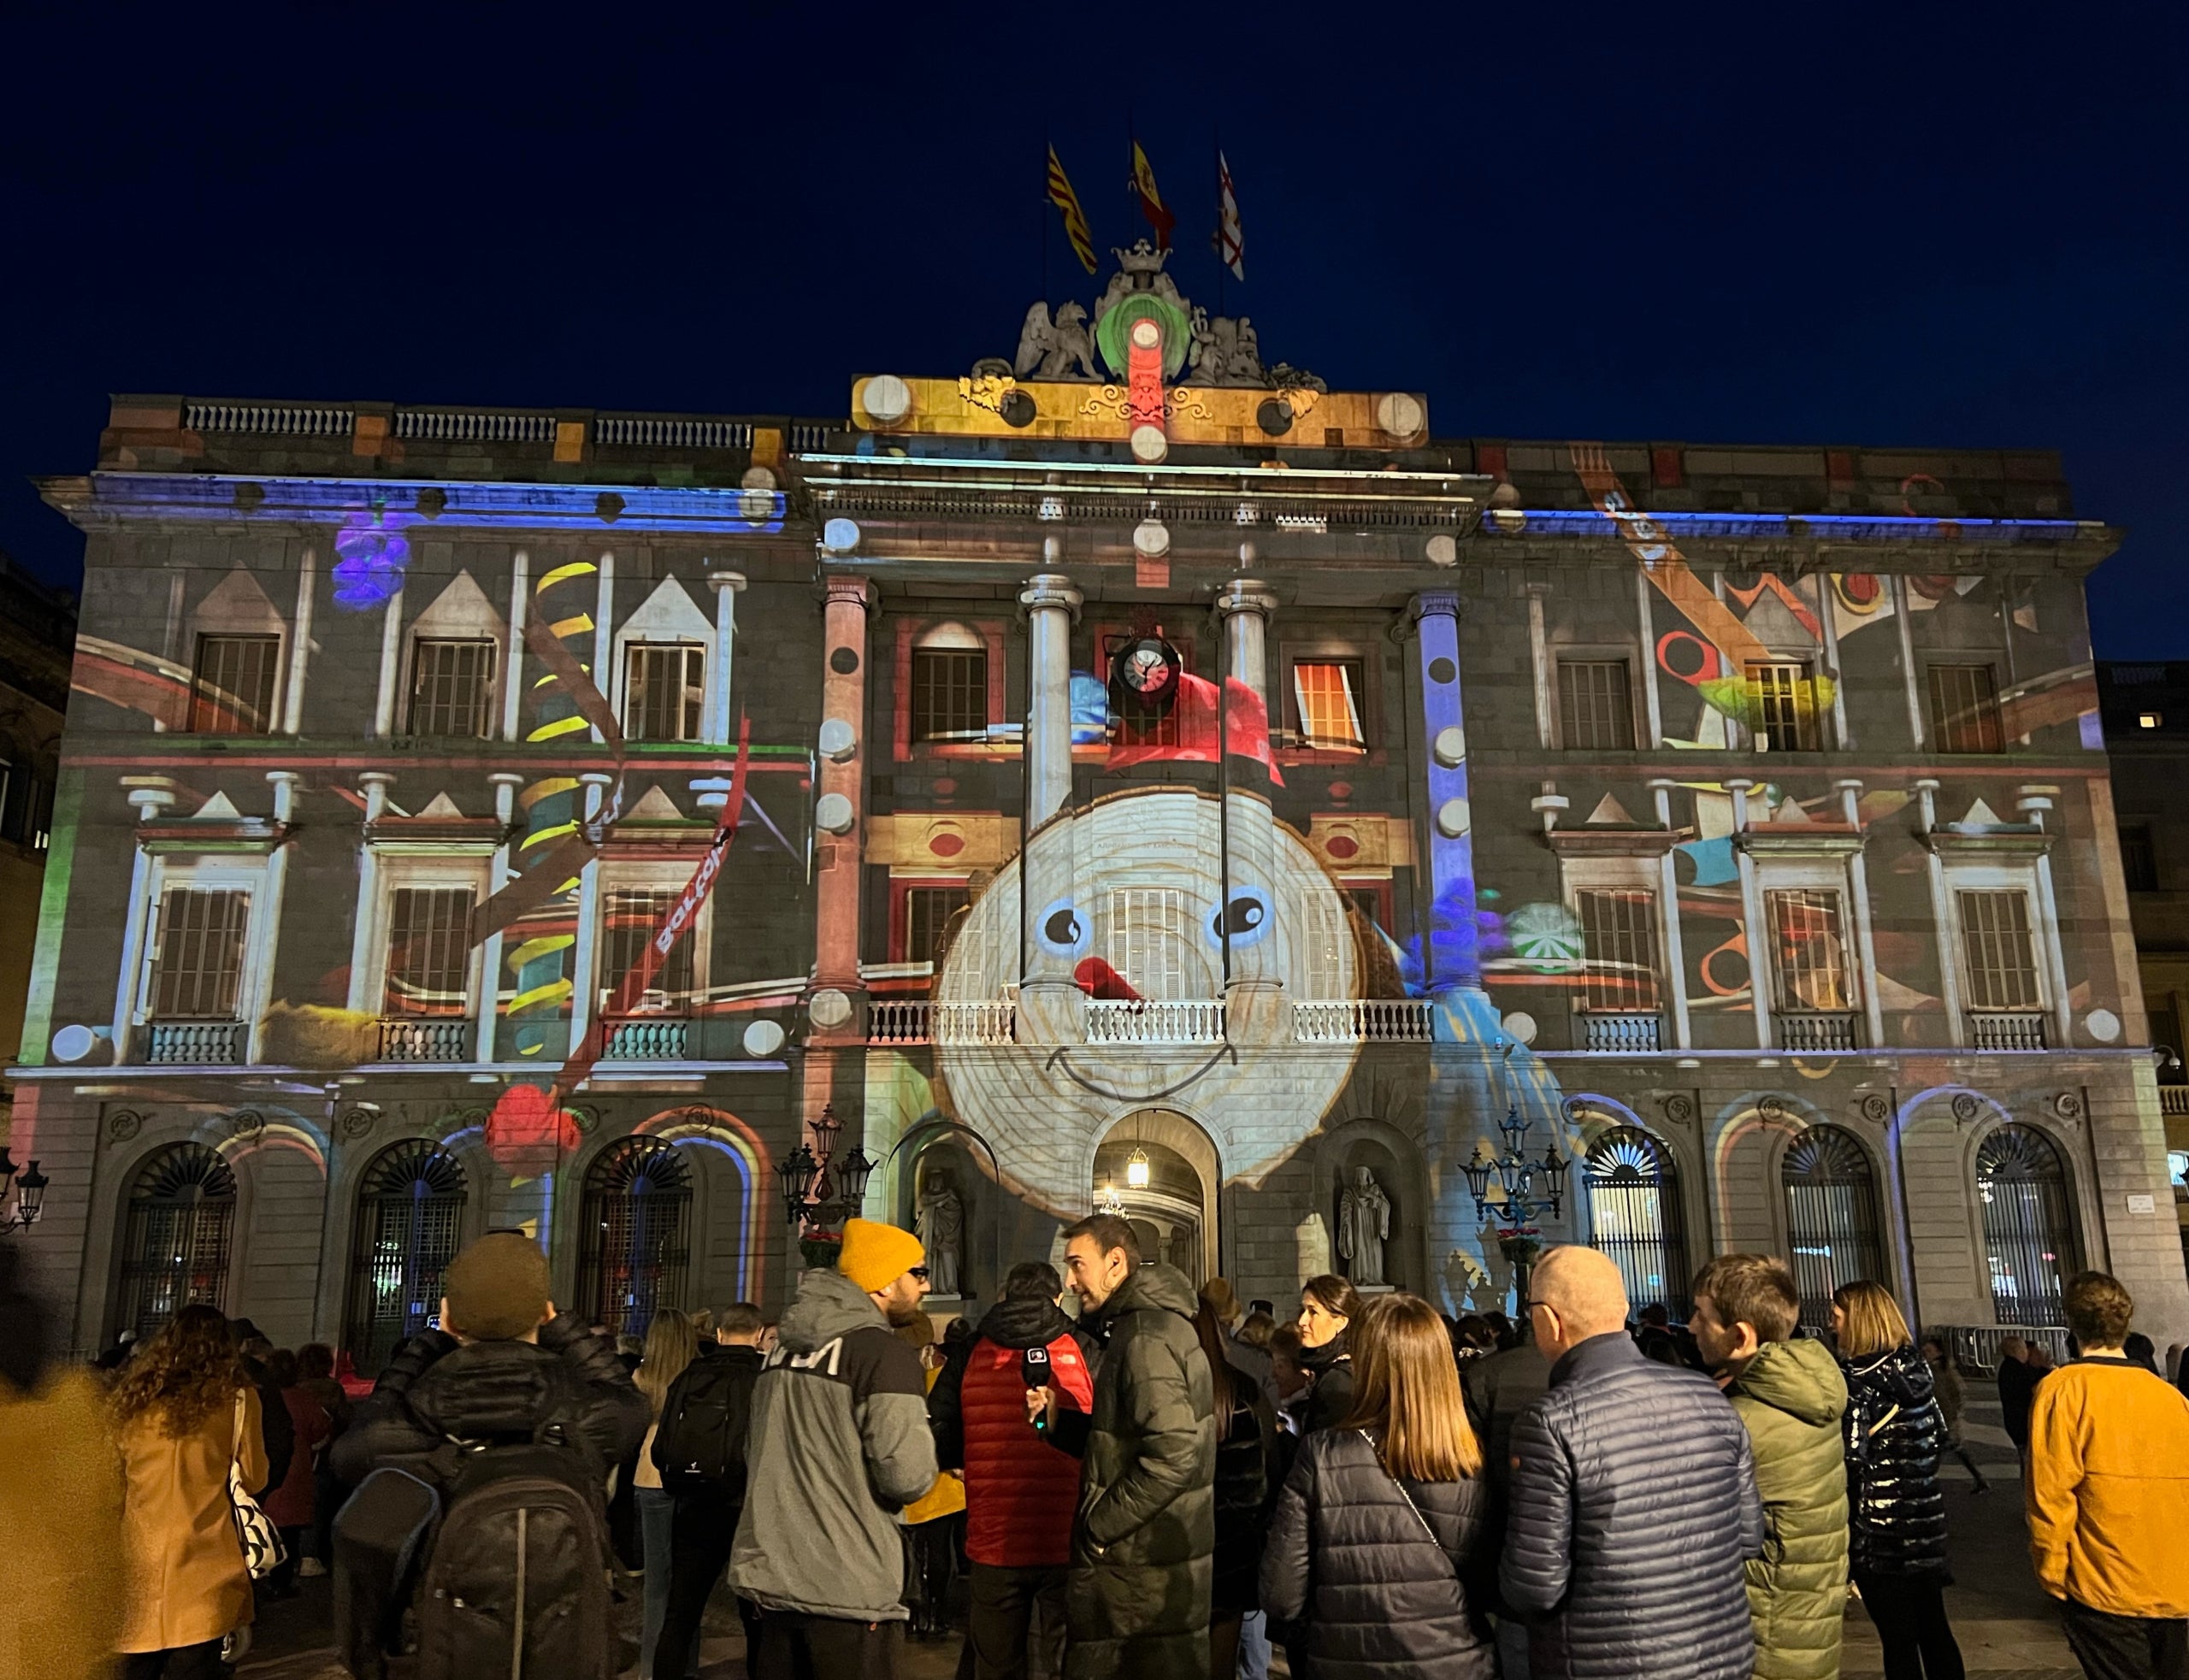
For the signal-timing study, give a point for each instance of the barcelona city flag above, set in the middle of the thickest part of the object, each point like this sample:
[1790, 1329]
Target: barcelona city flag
[1151, 201]
[1075, 218]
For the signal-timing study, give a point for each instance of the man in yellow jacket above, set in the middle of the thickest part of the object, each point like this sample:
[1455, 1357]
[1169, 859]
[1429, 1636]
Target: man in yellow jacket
[2109, 1496]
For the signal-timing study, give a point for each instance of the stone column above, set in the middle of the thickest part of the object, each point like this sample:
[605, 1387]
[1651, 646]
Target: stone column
[727, 587]
[1052, 1008]
[839, 804]
[1451, 952]
[1256, 1010]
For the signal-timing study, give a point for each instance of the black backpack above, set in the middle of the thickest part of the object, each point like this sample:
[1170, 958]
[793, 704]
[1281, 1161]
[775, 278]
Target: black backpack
[506, 1572]
[700, 1444]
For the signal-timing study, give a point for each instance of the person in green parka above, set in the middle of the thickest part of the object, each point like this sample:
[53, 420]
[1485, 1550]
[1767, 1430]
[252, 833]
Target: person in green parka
[1143, 1546]
[1790, 1394]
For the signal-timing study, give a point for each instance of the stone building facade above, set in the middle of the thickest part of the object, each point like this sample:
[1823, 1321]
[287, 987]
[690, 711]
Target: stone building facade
[1186, 791]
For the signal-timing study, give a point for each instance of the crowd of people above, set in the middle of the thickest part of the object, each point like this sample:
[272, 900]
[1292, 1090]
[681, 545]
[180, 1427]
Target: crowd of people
[1161, 1484]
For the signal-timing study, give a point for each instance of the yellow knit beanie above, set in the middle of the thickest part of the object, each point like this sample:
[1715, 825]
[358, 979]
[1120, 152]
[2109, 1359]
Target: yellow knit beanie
[876, 1255]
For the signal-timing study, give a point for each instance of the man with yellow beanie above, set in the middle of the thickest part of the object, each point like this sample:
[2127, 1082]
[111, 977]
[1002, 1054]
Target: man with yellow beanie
[840, 1443]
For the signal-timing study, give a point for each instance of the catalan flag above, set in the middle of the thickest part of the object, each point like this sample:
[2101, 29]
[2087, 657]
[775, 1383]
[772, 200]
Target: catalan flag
[1151, 201]
[1075, 218]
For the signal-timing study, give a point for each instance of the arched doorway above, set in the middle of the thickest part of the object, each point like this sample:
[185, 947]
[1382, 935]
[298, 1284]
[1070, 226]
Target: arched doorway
[1159, 1169]
[636, 1236]
[409, 1226]
[176, 1237]
[1635, 1216]
[2029, 1229]
[1831, 1217]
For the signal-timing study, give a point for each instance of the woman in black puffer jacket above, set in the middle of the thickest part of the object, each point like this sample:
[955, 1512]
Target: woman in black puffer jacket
[1380, 1556]
[1246, 1446]
[1327, 1305]
[1896, 1514]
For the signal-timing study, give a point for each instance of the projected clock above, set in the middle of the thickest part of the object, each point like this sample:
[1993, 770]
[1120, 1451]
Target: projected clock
[1146, 672]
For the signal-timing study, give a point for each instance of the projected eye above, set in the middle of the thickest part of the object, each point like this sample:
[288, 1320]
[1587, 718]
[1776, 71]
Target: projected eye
[1063, 931]
[1248, 917]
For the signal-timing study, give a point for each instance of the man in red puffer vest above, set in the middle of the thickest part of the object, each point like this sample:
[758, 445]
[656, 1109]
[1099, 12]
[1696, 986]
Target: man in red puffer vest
[1021, 1493]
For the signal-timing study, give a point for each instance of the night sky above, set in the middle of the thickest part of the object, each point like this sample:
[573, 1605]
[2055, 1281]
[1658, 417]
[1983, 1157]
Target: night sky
[1889, 225]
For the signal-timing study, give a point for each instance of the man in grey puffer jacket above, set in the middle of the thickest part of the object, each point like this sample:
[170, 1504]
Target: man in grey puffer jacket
[840, 1443]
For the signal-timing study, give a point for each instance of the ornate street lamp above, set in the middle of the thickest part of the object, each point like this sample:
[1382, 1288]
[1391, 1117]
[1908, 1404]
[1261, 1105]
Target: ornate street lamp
[1514, 1191]
[29, 1194]
[797, 1171]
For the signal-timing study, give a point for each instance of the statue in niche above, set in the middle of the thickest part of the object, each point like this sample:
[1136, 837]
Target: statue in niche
[939, 1221]
[1364, 1226]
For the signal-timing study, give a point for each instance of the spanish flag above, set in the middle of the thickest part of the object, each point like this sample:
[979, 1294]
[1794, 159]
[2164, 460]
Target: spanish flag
[1075, 218]
[1151, 201]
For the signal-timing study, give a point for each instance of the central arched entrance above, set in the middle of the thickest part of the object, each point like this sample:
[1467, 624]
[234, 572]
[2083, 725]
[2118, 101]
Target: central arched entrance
[1174, 1209]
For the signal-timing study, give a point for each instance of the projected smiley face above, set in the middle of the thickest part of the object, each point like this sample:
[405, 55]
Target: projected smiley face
[1140, 924]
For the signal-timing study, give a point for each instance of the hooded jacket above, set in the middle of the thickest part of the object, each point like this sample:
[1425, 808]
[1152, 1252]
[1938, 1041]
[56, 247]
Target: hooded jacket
[1790, 1397]
[839, 1445]
[1631, 1504]
[435, 1388]
[1894, 1431]
[1020, 1489]
[1142, 1549]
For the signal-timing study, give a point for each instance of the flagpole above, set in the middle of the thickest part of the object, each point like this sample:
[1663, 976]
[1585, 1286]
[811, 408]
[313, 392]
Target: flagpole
[1049, 150]
[1221, 267]
[1223, 807]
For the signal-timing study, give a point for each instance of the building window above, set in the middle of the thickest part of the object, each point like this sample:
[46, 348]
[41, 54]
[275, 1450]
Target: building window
[664, 690]
[2149, 720]
[1634, 1215]
[197, 973]
[928, 911]
[233, 693]
[1831, 1217]
[175, 1241]
[409, 1226]
[1596, 706]
[1327, 695]
[429, 951]
[1147, 938]
[1371, 901]
[2001, 962]
[1964, 708]
[635, 1219]
[950, 694]
[1808, 949]
[2138, 862]
[453, 688]
[1782, 706]
[1619, 931]
[629, 917]
[2029, 1234]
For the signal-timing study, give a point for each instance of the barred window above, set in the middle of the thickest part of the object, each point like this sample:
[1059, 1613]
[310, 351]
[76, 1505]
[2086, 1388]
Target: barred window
[1808, 948]
[1596, 704]
[950, 694]
[1618, 926]
[199, 968]
[1964, 708]
[1327, 693]
[2001, 962]
[1146, 940]
[1782, 706]
[629, 916]
[430, 951]
[233, 693]
[665, 690]
[451, 688]
[928, 911]
[2138, 861]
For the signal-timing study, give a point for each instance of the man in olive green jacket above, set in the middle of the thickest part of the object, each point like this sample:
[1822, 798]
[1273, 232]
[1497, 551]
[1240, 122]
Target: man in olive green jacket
[1142, 1549]
[1790, 1395]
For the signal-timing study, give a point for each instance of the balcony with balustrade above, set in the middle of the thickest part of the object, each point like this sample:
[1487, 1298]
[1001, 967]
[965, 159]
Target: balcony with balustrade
[414, 1039]
[919, 1021]
[1622, 1032]
[2008, 1029]
[646, 1038]
[1362, 1021]
[1818, 1031]
[1152, 1021]
[197, 1044]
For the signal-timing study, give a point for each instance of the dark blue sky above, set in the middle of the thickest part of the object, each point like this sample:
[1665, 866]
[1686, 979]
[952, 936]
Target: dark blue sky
[1890, 225]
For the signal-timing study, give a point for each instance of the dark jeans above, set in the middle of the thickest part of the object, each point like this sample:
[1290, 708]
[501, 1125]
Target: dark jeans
[1009, 1604]
[797, 1647]
[2125, 1648]
[934, 1555]
[1910, 1612]
[702, 1531]
[185, 1662]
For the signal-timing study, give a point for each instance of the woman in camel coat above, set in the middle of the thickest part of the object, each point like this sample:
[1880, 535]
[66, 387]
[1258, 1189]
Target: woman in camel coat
[182, 1411]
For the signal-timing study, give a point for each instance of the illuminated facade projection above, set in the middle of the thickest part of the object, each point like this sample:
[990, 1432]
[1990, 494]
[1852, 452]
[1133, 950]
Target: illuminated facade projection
[1167, 783]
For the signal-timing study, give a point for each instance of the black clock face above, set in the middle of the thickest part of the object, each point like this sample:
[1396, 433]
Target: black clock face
[1147, 670]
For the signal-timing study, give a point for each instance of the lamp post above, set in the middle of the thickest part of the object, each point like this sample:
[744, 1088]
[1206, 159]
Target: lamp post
[1515, 1191]
[819, 1191]
[30, 1193]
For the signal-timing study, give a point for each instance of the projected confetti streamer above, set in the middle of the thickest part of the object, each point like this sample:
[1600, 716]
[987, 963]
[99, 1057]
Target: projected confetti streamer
[372, 555]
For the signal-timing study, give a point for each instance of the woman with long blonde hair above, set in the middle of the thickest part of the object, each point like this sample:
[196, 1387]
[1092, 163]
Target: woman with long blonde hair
[182, 1412]
[671, 1345]
[1380, 1551]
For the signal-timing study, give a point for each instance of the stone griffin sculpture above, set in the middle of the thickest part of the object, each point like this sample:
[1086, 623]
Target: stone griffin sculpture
[1050, 349]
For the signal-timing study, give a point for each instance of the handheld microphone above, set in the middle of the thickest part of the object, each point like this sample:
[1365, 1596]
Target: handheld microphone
[1034, 1370]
